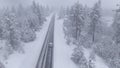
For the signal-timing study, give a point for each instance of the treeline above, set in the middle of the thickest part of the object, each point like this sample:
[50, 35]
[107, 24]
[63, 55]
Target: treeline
[85, 27]
[19, 25]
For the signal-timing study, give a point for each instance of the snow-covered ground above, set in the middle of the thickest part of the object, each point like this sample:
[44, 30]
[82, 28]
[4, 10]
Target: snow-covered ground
[32, 51]
[62, 52]
[99, 63]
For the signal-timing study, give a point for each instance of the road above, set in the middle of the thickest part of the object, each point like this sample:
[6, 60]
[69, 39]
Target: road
[46, 55]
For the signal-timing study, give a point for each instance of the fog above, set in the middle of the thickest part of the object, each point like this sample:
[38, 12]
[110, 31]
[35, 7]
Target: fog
[107, 4]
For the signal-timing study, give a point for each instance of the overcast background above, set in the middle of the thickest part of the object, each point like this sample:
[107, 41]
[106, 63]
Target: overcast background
[107, 4]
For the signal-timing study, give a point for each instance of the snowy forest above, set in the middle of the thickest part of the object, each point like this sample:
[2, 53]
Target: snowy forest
[18, 25]
[85, 28]
[83, 36]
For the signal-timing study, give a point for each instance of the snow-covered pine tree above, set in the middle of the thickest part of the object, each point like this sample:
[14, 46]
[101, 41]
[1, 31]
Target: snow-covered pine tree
[62, 13]
[67, 11]
[77, 17]
[46, 11]
[95, 16]
[38, 11]
[78, 58]
[9, 31]
[94, 28]
[13, 32]
[116, 26]
[20, 11]
[74, 22]
[115, 61]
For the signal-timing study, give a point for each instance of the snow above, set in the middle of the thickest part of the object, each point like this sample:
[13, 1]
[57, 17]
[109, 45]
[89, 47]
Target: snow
[32, 51]
[87, 53]
[99, 63]
[108, 20]
[62, 52]
[2, 50]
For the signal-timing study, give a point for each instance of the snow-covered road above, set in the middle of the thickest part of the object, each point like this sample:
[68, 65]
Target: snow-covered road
[62, 52]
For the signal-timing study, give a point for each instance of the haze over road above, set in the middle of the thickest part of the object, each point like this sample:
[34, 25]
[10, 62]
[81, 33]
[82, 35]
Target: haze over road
[109, 4]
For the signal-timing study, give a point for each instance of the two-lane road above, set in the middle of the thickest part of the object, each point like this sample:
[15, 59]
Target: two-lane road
[46, 56]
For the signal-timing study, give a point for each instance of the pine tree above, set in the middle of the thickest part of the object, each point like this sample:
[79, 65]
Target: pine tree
[116, 26]
[95, 19]
[38, 11]
[75, 21]
[62, 13]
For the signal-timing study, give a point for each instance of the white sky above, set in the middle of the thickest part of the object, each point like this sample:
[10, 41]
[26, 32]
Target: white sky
[57, 3]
